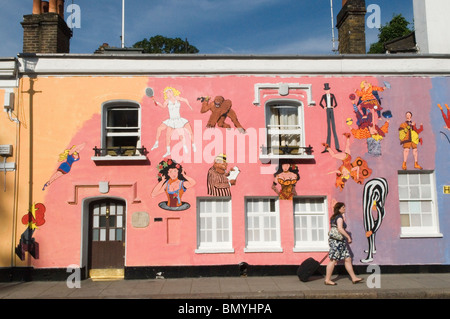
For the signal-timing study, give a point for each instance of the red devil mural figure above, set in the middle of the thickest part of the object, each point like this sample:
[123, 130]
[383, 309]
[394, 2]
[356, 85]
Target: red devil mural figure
[34, 219]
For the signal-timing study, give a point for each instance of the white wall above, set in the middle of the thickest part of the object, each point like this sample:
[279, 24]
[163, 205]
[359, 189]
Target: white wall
[432, 26]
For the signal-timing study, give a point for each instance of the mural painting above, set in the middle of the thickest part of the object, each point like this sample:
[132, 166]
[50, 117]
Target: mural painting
[219, 180]
[67, 158]
[175, 123]
[369, 98]
[172, 181]
[374, 198]
[366, 127]
[287, 177]
[409, 139]
[220, 110]
[358, 170]
[446, 118]
[328, 102]
[33, 219]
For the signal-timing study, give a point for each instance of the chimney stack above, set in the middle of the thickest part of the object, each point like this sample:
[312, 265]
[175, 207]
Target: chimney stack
[45, 31]
[351, 25]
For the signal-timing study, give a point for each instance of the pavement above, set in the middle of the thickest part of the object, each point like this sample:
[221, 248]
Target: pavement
[383, 286]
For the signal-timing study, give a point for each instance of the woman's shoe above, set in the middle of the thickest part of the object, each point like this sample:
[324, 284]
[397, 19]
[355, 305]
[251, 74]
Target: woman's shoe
[357, 281]
[330, 283]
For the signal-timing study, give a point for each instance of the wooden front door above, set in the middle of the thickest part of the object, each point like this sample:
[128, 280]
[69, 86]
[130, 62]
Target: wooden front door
[107, 234]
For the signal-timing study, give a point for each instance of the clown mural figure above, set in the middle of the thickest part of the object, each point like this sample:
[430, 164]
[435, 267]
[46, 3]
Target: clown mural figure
[409, 139]
[172, 181]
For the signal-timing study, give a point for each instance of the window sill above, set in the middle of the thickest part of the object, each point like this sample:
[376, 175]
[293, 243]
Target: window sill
[310, 249]
[118, 158]
[214, 251]
[430, 235]
[263, 250]
[266, 157]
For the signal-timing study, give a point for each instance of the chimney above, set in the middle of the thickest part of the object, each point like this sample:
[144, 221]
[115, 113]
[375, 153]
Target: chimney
[351, 24]
[45, 31]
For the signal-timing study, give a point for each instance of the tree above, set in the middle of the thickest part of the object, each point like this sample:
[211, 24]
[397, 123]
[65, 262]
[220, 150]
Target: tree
[397, 27]
[160, 44]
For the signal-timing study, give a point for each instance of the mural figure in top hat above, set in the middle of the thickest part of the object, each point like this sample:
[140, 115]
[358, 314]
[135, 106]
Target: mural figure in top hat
[329, 102]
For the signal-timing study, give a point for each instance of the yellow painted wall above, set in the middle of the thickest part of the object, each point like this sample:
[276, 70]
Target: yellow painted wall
[59, 107]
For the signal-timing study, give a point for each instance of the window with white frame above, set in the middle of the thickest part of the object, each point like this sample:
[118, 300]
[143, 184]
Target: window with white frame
[285, 128]
[214, 228]
[121, 134]
[310, 223]
[418, 207]
[262, 224]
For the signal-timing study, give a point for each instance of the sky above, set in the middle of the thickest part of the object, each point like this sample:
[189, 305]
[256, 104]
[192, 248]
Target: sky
[265, 27]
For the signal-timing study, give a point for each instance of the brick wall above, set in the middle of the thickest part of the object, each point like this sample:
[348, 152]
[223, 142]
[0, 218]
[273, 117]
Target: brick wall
[45, 33]
[351, 25]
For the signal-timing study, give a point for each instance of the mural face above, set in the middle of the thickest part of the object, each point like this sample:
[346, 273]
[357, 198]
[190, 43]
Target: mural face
[287, 177]
[219, 180]
[173, 182]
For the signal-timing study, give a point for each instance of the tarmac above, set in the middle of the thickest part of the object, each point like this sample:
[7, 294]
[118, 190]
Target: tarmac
[382, 286]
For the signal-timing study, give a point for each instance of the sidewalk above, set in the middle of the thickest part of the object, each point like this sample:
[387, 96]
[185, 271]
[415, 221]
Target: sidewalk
[392, 286]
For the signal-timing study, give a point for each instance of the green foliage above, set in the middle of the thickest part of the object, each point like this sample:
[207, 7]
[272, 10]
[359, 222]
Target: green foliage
[160, 44]
[397, 27]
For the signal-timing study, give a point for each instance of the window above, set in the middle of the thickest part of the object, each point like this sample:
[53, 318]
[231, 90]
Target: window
[310, 223]
[418, 209]
[121, 130]
[214, 233]
[262, 225]
[285, 130]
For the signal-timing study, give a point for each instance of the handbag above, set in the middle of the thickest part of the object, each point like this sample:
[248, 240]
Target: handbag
[335, 234]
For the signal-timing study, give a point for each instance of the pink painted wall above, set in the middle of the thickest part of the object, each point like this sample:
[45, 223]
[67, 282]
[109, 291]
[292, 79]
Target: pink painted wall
[61, 239]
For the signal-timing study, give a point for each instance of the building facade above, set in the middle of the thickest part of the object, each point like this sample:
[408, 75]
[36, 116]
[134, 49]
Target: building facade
[201, 165]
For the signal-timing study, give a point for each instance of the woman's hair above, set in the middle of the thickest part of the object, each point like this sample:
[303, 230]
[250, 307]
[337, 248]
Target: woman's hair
[175, 92]
[292, 168]
[63, 156]
[165, 166]
[336, 209]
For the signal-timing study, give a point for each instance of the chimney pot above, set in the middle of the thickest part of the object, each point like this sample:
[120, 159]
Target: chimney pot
[60, 5]
[37, 6]
[52, 6]
[44, 6]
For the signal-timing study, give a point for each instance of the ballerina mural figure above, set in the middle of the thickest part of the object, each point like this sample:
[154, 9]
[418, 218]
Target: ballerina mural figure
[68, 157]
[172, 101]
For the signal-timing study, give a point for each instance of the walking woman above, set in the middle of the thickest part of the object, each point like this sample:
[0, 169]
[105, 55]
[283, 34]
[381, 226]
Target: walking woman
[338, 245]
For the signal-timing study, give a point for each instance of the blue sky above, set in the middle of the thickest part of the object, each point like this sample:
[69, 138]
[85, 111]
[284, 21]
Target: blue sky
[213, 26]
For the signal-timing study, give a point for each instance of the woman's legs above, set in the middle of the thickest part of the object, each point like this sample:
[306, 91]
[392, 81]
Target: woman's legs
[329, 272]
[351, 272]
